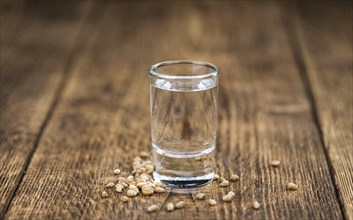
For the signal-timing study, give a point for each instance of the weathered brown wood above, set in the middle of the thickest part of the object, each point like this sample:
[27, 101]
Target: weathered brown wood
[325, 33]
[102, 120]
[36, 44]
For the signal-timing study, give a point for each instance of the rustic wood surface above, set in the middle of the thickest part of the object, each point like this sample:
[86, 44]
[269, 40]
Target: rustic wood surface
[33, 70]
[328, 60]
[75, 105]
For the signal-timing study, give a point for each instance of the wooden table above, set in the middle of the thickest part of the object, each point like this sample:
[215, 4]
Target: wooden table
[75, 105]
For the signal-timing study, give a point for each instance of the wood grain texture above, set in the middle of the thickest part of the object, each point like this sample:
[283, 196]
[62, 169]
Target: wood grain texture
[35, 47]
[326, 37]
[102, 119]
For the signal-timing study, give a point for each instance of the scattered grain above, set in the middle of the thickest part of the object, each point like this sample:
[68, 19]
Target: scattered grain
[292, 186]
[275, 163]
[124, 184]
[119, 188]
[141, 184]
[117, 171]
[131, 193]
[212, 202]
[234, 178]
[149, 169]
[110, 185]
[200, 196]
[132, 187]
[144, 177]
[124, 198]
[152, 208]
[256, 205]
[227, 198]
[159, 184]
[144, 154]
[104, 194]
[180, 204]
[215, 177]
[130, 179]
[149, 184]
[159, 189]
[147, 191]
[170, 207]
[224, 183]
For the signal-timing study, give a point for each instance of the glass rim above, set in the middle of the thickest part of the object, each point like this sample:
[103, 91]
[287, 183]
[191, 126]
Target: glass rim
[152, 70]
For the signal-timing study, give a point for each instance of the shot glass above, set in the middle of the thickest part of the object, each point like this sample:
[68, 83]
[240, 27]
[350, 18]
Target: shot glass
[183, 101]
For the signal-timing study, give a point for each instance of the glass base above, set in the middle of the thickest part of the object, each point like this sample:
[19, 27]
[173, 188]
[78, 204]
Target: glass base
[184, 182]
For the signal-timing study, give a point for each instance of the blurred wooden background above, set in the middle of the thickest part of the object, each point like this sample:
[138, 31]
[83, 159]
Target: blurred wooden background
[75, 104]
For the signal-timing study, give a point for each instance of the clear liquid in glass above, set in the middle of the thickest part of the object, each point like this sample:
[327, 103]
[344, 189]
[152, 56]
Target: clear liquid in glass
[184, 120]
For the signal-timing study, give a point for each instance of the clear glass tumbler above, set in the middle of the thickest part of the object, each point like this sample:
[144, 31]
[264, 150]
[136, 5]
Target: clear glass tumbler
[183, 98]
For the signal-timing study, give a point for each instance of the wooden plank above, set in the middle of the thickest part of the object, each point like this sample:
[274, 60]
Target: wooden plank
[102, 120]
[35, 50]
[325, 34]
